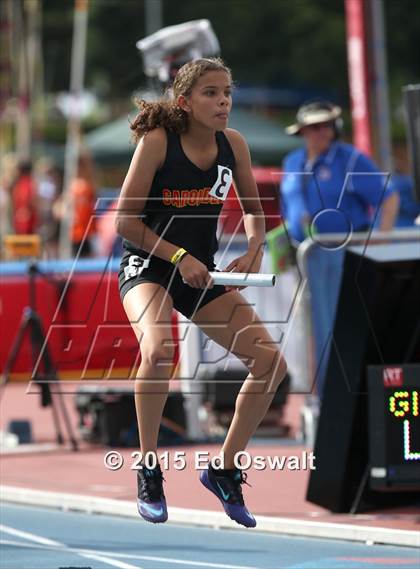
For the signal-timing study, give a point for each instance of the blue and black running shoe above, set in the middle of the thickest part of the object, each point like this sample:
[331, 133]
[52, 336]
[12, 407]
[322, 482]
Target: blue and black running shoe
[226, 485]
[151, 502]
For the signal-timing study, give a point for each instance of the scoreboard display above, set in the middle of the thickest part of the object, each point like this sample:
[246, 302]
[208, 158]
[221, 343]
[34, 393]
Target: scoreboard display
[394, 427]
[367, 444]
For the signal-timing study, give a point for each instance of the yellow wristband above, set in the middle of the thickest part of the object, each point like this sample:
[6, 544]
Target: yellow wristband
[176, 257]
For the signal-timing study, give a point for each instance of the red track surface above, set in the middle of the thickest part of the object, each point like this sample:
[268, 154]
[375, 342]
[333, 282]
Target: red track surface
[273, 493]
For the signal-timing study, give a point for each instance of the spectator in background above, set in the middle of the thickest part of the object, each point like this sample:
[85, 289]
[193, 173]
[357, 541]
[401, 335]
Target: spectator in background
[83, 195]
[8, 168]
[49, 183]
[329, 187]
[24, 200]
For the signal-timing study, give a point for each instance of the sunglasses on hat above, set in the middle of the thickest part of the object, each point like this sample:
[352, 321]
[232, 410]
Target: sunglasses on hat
[319, 125]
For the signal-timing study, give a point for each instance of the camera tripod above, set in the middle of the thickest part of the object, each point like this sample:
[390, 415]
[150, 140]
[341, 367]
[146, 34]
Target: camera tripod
[41, 357]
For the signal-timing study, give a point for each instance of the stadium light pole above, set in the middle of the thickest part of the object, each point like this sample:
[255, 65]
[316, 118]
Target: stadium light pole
[154, 22]
[153, 16]
[380, 84]
[73, 123]
[368, 81]
[23, 121]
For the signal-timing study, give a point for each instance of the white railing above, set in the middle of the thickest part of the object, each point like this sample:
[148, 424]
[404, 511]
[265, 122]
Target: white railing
[368, 239]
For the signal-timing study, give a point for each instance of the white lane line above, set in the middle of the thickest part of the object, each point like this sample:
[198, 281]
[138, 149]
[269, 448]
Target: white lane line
[191, 563]
[51, 544]
[133, 556]
[23, 544]
[30, 536]
[113, 562]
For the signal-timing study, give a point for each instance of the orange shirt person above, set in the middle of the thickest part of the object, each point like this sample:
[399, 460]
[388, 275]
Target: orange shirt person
[83, 197]
[83, 227]
[82, 191]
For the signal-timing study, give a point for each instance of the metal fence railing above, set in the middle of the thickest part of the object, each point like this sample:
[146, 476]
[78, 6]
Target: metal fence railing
[367, 239]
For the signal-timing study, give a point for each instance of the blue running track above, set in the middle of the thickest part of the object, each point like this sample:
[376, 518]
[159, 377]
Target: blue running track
[37, 538]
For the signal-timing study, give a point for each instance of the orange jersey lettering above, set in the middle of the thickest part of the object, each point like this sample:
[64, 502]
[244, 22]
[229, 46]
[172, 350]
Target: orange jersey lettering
[183, 198]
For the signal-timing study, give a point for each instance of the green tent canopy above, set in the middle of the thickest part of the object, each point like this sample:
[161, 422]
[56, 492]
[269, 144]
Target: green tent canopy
[268, 143]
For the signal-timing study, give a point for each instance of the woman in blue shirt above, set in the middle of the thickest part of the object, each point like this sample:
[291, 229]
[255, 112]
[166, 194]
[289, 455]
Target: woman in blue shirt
[329, 186]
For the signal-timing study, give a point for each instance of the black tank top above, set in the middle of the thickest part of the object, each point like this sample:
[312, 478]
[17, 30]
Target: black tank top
[185, 202]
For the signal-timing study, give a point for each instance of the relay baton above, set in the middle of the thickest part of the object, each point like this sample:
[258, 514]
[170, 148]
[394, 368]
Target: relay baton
[243, 279]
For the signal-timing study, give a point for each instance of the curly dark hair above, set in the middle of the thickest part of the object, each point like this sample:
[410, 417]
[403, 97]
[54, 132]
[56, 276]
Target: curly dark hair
[167, 113]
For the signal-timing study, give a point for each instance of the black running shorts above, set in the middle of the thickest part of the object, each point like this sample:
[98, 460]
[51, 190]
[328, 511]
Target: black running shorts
[187, 300]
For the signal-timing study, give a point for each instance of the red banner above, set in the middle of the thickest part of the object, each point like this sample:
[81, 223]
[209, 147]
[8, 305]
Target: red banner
[357, 71]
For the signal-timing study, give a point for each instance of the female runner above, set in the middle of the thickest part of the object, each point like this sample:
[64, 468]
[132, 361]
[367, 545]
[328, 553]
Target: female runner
[178, 179]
